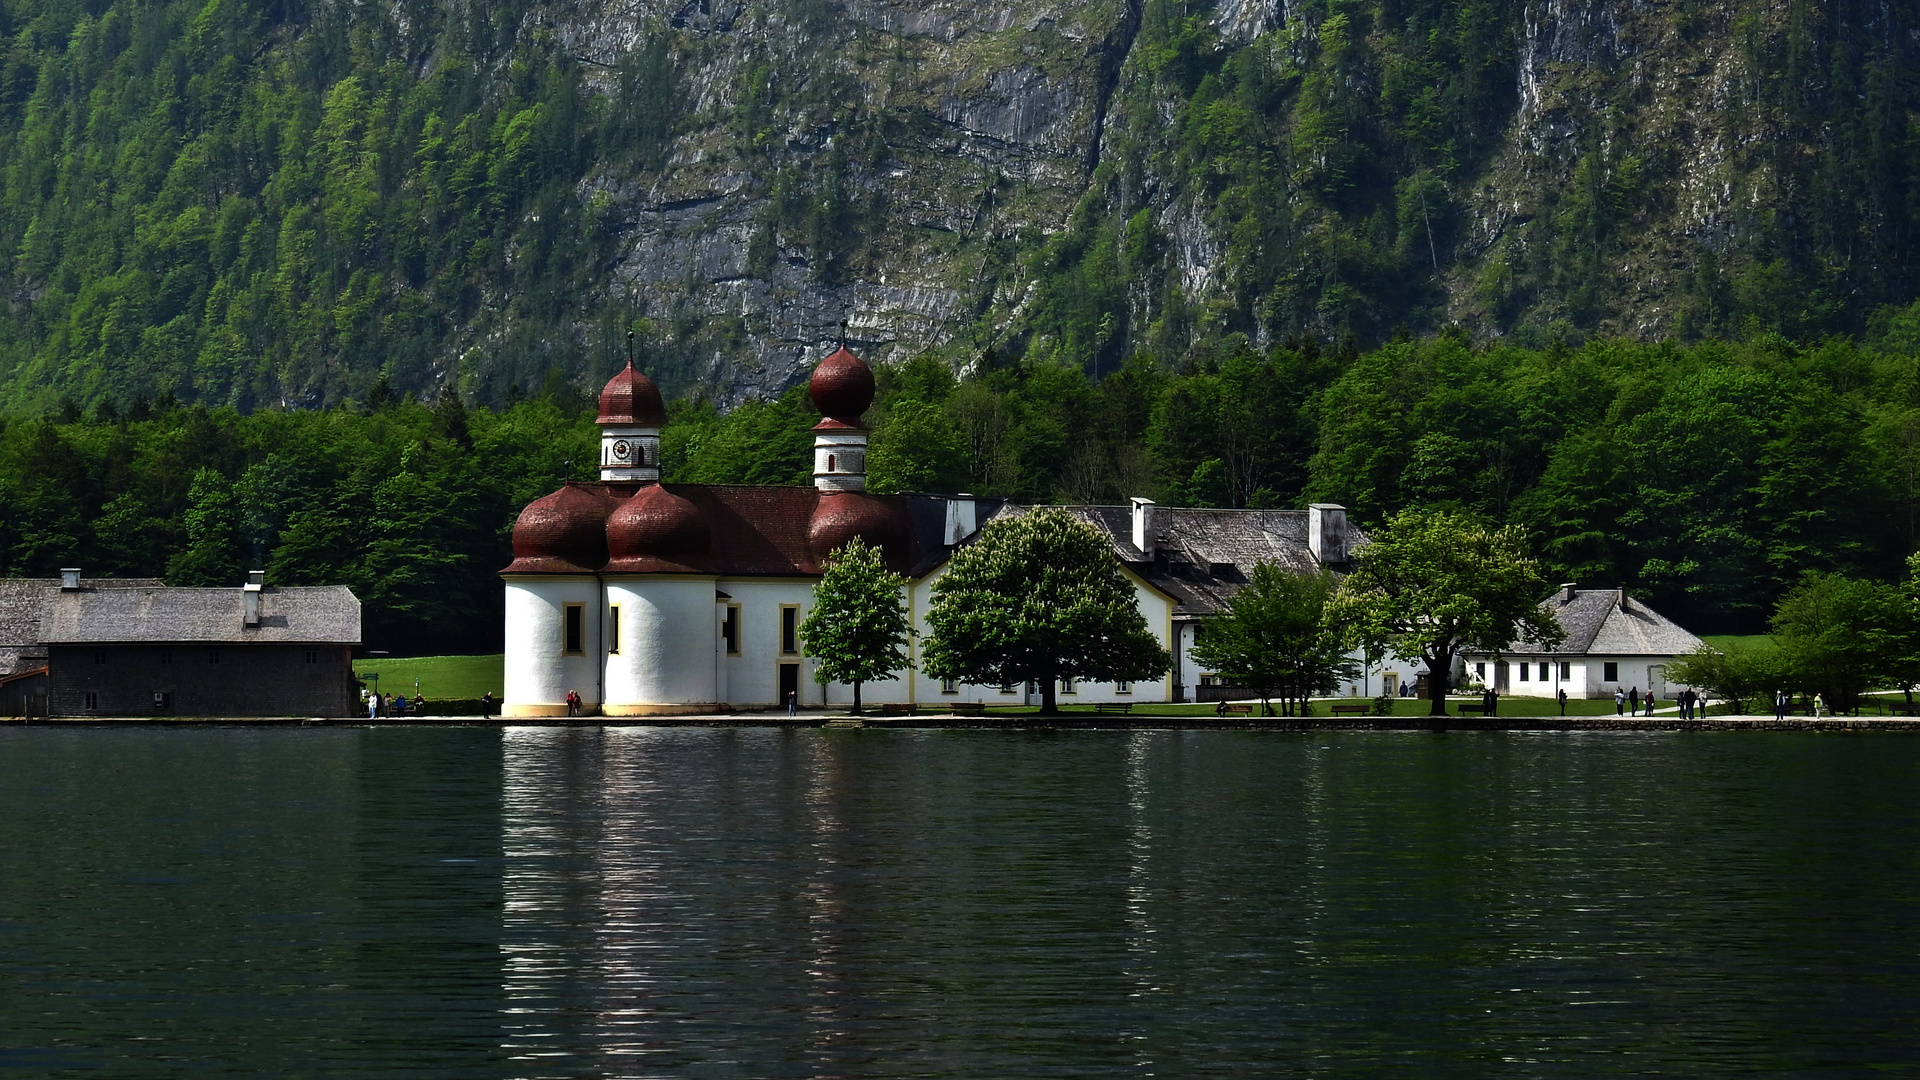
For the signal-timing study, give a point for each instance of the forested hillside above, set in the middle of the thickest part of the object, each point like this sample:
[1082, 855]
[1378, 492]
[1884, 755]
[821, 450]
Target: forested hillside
[1706, 478]
[276, 203]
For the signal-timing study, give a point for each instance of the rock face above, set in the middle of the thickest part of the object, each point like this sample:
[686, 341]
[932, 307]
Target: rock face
[750, 183]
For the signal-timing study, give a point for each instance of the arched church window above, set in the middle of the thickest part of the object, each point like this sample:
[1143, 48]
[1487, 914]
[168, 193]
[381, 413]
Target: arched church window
[830, 462]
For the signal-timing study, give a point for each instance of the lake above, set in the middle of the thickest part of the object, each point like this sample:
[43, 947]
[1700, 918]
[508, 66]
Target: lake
[683, 902]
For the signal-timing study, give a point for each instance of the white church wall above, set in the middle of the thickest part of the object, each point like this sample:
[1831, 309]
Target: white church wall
[539, 669]
[665, 656]
[752, 677]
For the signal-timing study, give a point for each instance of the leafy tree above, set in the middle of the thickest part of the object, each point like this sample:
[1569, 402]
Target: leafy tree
[1737, 673]
[212, 555]
[1842, 635]
[859, 622]
[1276, 635]
[1433, 582]
[1038, 598]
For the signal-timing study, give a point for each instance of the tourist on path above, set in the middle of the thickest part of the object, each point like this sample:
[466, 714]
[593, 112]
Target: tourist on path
[1563, 701]
[486, 705]
[1779, 704]
[793, 703]
[373, 706]
[1619, 702]
[573, 703]
[1633, 699]
[1819, 706]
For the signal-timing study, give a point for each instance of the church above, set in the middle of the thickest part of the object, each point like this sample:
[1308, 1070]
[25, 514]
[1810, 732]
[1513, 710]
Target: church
[652, 599]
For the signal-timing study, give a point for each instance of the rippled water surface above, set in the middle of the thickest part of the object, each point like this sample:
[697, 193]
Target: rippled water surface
[636, 902]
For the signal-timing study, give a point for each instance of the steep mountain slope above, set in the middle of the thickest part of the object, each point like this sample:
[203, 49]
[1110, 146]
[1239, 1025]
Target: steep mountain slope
[281, 203]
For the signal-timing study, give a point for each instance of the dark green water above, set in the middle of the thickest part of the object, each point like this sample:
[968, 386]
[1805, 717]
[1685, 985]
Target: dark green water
[637, 903]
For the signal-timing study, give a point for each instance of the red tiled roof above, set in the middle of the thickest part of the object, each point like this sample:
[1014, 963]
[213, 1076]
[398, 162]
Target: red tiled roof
[756, 530]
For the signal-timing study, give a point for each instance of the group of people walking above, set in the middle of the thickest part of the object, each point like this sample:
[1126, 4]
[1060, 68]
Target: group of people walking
[394, 705]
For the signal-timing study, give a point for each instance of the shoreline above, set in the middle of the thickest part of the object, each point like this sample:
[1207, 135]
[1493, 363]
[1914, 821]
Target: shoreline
[1070, 722]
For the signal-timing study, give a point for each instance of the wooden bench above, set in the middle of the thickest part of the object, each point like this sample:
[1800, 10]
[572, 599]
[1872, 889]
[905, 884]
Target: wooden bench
[969, 708]
[1226, 707]
[1465, 707]
[1121, 707]
[894, 708]
[1350, 710]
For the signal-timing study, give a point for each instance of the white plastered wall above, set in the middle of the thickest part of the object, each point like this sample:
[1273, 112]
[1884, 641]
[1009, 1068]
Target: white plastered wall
[752, 678]
[667, 654]
[539, 671]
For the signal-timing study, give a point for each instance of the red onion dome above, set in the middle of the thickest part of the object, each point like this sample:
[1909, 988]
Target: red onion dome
[656, 524]
[563, 533]
[632, 400]
[842, 515]
[842, 386]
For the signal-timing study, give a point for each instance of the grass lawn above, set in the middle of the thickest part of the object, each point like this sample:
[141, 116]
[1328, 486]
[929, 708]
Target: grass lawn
[1509, 706]
[440, 676]
[1721, 641]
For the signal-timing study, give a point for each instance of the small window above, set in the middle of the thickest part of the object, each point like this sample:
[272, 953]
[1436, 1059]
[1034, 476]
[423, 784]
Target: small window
[1525, 671]
[213, 656]
[99, 656]
[1566, 670]
[613, 629]
[1032, 687]
[576, 630]
[832, 462]
[730, 630]
[1543, 673]
[789, 630]
[1610, 671]
[1208, 678]
[1123, 687]
[93, 701]
[1480, 671]
[1067, 685]
[166, 656]
[313, 656]
[949, 686]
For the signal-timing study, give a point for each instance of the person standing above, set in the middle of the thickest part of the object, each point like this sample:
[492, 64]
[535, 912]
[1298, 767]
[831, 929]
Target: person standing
[373, 706]
[1779, 704]
[1633, 699]
[1619, 702]
[1563, 701]
[1819, 706]
[486, 705]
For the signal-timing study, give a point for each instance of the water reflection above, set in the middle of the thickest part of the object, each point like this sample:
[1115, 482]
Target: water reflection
[751, 903]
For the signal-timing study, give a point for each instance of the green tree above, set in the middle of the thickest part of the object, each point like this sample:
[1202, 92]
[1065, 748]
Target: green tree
[212, 554]
[1276, 635]
[859, 622]
[1738, 673]
[1038, 598]
[1433, 582]
[1842, 635]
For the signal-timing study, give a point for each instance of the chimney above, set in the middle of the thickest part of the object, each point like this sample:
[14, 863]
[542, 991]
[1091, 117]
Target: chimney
[1327, 532]
[1143, 525]
[69, 579]
[1567, 592]
[960, 518]
[1620, 595]
[250, 596]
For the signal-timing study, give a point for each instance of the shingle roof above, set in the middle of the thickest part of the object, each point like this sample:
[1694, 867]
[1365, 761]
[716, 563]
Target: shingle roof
[1604, 622]
[1202, 558]
[328, 613]
[23, 604]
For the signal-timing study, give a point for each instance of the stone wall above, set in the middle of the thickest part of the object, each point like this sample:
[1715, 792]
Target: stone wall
[247, 679]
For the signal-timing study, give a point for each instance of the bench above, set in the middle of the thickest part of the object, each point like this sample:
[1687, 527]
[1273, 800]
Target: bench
[1350, 710]
[893, 708]
[1121, 707]
[969, 708]
[1226, 707]
[1464, 707]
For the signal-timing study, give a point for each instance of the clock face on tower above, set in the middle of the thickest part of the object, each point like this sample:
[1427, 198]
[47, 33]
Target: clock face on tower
[621, 449]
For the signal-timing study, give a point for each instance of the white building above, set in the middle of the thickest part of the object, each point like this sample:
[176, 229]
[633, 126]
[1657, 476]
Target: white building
[1613, 643]
[648, 599]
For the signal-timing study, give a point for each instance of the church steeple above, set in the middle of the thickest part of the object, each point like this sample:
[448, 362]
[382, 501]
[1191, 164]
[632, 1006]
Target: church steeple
[631, 416]
[842, 389]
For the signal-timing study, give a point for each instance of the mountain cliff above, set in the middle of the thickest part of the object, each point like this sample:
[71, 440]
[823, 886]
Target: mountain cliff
[286, 203]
